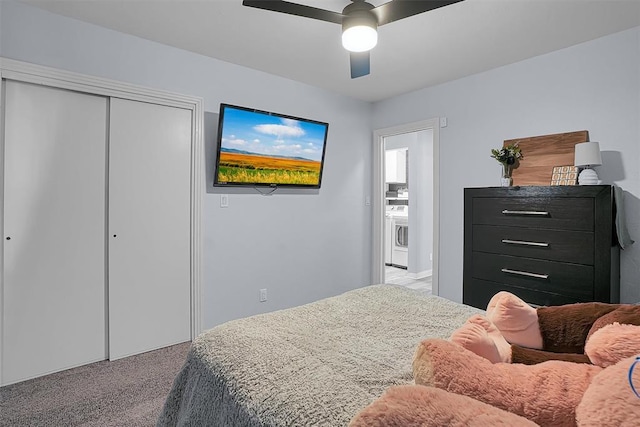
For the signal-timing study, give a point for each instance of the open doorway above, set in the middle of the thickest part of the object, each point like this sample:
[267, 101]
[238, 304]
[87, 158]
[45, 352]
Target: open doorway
[405, 200]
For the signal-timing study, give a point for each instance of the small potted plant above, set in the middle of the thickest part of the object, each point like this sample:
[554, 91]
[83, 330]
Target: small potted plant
[507, 156]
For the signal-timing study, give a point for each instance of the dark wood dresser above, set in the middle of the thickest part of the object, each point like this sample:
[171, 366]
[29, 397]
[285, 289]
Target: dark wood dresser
[547, 245]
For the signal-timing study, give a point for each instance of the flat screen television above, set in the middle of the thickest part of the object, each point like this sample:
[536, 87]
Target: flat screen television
[260, 148]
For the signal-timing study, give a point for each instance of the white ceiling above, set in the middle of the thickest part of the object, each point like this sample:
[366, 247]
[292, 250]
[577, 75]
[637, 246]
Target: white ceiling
[424, 50]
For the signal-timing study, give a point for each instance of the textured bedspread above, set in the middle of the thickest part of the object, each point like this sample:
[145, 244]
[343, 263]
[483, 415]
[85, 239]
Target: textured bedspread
[313, 365]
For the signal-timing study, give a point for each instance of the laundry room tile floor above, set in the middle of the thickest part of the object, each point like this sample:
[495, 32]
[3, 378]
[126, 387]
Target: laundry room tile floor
[398, 276]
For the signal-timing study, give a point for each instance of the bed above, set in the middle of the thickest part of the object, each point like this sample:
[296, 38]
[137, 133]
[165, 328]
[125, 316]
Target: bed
[313, 365]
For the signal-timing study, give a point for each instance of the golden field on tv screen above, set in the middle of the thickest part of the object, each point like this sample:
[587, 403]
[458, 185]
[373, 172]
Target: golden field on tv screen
[251, 168]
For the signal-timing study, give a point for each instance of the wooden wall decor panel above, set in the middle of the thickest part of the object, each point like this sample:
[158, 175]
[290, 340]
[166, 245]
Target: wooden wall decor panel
[542, 153]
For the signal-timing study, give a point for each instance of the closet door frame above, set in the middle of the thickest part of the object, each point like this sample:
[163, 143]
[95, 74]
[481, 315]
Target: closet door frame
[37, 74]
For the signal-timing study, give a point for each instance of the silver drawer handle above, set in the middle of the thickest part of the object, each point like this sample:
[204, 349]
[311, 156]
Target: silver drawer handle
[522, 242]
[526, 273]
[538, 213]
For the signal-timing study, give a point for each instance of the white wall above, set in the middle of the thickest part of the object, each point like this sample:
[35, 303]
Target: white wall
[593, 86]
[420, 184]
[0, 28]
[422, 210]
[301, 247]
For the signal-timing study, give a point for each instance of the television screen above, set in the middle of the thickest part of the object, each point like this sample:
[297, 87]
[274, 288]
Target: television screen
[259, 148]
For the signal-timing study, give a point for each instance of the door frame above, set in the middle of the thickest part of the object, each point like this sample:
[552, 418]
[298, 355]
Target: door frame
[377, 272]
[37, 74]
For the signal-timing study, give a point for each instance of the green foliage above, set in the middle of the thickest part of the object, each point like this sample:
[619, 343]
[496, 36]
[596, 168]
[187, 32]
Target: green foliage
[507, 155]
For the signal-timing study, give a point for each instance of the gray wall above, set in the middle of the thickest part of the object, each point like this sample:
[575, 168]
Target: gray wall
[302, 246]
[593, 86]
[307, 246]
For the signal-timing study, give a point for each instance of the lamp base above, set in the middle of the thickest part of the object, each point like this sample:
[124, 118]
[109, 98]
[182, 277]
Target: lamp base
[588, 177]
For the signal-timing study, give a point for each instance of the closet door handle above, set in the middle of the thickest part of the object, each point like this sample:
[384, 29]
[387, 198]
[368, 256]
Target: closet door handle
[525, 273]
[534, 213]
[525, 243]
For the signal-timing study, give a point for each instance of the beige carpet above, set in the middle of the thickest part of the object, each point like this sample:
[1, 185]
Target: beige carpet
[126, 392]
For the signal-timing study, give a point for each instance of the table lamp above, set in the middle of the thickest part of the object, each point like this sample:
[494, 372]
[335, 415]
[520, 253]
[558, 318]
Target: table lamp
[587, 155]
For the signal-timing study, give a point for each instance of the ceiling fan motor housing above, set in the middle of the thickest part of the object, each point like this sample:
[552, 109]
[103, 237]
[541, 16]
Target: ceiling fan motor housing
[359, 17]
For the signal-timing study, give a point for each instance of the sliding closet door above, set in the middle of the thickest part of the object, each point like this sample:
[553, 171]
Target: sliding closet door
[149, 227]
[53, 298]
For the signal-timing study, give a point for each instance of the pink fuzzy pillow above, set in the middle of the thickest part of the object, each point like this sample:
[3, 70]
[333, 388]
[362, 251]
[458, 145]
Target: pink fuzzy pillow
[609, 400]
[612, 343]
[420, 406]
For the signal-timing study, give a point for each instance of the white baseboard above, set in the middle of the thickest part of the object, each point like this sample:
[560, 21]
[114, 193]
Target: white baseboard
[420, 275]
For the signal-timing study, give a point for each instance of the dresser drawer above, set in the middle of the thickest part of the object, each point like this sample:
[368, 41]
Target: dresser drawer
[477, 293]
[571, 280]
[554, 245]
[563, 235]
[567, 213]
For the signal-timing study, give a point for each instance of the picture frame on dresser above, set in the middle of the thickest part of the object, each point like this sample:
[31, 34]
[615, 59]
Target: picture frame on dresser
[564, 175]
[550, 245]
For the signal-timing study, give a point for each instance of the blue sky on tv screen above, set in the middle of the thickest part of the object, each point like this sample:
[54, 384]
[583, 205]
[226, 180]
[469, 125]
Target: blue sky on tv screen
[265, 134]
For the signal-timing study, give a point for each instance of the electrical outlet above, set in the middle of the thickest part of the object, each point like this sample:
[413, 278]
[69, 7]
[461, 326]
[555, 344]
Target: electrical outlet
[263, 295]
[224, 200]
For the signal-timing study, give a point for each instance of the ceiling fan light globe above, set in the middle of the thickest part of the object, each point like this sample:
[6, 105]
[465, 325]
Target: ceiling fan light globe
[359, 38]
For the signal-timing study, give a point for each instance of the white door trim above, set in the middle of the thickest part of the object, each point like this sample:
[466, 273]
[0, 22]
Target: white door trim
[37, 74]
[377, 273]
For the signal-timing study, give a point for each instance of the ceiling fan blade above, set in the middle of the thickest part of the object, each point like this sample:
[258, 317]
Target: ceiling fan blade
[360, 64]
[295, 9]
[399, 9]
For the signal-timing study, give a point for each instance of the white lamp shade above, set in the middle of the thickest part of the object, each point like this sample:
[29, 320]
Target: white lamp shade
[587, 154]
[359, 38]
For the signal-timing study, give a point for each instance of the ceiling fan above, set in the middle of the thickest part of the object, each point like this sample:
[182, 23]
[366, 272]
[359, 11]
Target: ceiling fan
[360, 21]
